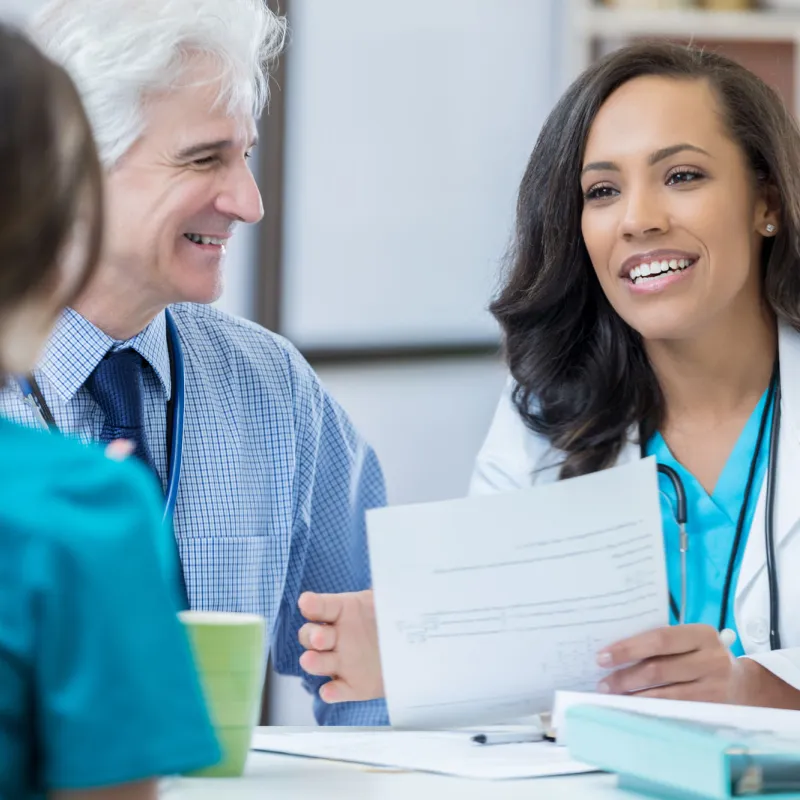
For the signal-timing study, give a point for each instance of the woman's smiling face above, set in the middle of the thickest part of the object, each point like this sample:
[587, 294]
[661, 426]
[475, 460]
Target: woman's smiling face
[673, 219]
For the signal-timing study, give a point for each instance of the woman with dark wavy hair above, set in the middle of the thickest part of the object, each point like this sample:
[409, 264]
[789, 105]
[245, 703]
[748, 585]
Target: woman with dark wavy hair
[652, 307]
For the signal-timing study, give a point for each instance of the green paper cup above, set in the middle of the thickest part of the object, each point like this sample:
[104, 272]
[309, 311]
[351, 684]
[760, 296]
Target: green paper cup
[229, 654]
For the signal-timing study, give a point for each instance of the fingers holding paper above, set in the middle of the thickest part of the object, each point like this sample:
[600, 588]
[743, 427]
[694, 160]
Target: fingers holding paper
[341, 642]
[683, 662]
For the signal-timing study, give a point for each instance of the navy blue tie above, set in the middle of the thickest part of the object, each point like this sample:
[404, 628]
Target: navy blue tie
[117, 385]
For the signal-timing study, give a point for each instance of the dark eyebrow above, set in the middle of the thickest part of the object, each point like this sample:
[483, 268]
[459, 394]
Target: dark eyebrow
[654, 158]
[195, 150]
[666, 152]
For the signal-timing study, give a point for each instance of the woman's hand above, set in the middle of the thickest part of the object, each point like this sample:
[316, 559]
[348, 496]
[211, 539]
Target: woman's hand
[120, 449]
[341, 641]
[681, 662]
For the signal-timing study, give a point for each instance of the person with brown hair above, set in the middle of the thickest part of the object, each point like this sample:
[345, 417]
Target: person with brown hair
[652, 308]
[98, 693]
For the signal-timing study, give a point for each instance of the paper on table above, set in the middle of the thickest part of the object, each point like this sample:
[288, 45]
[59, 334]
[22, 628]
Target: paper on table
[772, 720]
[487, 605]
[446, 753]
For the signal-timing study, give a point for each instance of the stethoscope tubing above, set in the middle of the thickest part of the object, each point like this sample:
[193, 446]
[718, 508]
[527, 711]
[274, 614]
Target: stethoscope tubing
[178, 370]
[773, 401]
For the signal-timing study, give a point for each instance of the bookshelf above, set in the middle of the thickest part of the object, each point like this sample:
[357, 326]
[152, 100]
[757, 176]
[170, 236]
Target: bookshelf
[767, 41]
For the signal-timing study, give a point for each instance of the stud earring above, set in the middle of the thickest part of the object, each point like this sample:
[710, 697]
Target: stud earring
[770, 228]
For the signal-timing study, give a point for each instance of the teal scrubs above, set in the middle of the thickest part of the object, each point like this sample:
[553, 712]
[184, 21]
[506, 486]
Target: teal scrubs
[711, 524]
[97, 684]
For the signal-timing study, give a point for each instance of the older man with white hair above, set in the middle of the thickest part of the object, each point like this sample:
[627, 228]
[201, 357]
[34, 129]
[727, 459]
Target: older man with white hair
[264, 477]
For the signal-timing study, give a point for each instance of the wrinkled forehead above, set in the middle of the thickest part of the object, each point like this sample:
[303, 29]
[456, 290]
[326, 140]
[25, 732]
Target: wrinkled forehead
[204, 102]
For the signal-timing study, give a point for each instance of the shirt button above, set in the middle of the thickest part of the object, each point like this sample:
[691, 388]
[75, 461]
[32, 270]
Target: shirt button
[758, 630]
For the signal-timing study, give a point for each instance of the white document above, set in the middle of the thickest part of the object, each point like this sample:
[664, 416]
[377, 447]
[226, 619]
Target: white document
[767, 720]
[487, 605]
[446, 753]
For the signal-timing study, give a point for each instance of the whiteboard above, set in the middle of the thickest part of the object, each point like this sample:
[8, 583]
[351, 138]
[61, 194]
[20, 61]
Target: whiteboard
[408, 128]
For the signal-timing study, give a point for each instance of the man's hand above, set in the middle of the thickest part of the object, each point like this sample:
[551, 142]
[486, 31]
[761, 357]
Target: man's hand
[341, 641]
[682, 662]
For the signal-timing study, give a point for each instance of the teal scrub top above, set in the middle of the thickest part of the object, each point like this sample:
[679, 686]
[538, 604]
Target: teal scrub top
[711, 524]
[97, 683]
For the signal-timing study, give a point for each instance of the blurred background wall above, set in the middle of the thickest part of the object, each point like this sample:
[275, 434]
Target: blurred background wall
[389, 163]
[407, 129]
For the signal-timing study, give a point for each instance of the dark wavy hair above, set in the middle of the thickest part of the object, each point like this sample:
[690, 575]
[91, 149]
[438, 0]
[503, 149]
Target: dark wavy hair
[582, 378]
[50, 173]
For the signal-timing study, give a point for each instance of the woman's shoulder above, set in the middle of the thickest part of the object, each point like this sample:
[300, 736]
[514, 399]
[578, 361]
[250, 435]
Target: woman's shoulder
[56, 485]
[512, 456]
[74, 531]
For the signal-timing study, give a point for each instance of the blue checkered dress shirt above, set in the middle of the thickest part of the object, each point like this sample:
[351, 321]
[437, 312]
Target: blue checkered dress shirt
[275, 480]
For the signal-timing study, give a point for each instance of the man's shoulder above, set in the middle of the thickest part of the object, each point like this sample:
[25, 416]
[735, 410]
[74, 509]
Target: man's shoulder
[247, 350]
[206, 325]
[225, 330]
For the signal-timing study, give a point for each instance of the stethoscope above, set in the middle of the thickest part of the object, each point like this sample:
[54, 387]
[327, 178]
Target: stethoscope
[773, 401]
[175, 411]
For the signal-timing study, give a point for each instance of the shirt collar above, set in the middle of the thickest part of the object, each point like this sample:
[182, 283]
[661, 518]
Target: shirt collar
[151, 345]
[77, 347]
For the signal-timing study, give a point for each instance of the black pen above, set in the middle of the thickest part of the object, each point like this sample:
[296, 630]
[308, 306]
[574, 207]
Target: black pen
[510, 737]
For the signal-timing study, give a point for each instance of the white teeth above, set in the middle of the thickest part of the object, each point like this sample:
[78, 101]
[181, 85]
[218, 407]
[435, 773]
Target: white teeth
[654, 268]
[193, 237]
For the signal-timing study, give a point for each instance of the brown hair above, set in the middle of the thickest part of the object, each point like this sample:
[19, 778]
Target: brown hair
[50, 174]
[583, 380]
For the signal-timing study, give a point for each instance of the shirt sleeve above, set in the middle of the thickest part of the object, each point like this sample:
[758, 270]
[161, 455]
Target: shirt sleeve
[117, 696]
[783, 664]
[338, 479]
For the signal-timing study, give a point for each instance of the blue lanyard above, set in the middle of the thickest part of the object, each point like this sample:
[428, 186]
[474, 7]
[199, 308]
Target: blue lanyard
[175, 412]
[175, 419]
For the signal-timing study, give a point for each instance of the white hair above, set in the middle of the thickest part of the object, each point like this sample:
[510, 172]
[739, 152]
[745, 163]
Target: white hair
[120, 51]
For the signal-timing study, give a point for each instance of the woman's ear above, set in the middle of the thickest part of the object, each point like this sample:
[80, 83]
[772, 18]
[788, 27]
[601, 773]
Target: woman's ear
[768, 211]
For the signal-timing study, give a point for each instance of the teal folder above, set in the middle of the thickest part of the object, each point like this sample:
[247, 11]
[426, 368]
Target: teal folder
[670, 758]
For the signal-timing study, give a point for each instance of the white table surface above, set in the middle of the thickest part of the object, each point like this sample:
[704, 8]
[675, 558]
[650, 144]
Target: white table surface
[277, 777]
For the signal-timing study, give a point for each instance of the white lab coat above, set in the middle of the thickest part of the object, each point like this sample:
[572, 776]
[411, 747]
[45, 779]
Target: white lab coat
[513, 457]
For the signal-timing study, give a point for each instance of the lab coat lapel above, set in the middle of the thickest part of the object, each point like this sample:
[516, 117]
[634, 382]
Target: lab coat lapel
[787, 499]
